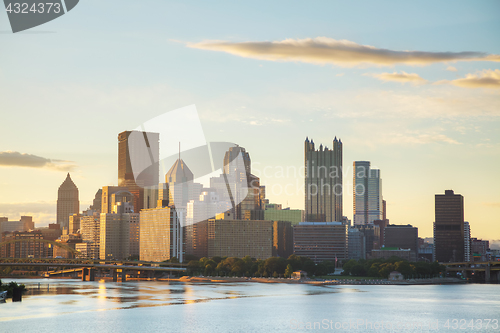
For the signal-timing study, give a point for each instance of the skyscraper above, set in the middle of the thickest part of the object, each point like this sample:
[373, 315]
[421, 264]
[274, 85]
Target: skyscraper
[138, 167]
[449, 227]
[323, 182]
[367, 193]
[238, 185]
[119, 230]
[67, 202]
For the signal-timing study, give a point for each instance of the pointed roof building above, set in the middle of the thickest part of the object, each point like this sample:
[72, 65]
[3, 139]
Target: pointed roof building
[179, 173]
[68, 202]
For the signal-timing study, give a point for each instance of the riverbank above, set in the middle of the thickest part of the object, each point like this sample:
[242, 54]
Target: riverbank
[211, 279]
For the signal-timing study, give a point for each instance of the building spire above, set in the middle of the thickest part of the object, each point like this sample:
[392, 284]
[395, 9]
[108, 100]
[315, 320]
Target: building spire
[179, 150]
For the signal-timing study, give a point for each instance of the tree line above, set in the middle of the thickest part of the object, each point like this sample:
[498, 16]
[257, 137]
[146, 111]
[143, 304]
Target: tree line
[251, 267]
[382, 268]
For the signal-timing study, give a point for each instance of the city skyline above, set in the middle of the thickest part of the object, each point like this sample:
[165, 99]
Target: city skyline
[430, 124]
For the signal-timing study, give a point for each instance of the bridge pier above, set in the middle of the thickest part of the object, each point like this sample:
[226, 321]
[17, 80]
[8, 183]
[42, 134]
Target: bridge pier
[115, 275]
[85, 271]
[124, 276]
[487, 275]
[92, 274]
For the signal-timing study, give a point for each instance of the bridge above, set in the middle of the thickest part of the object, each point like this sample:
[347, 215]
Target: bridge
[89, 268]
[490, 269]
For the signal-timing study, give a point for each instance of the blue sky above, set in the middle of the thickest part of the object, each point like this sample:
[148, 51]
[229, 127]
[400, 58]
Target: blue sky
[67, 88]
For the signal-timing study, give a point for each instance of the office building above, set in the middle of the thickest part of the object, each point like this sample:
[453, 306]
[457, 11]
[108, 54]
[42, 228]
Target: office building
[90, 229]
[67, 202]
[274, 212]
[161, 234]
[240, 238]
[118, 229]
[28, 248]
[479, 249]
[24, 224]
[74, 224]
[323, 182]
[138, 163]
[371, 235]
[388, 252]
[321, 241]
[382, 224]
[402, 237]
[449, 227]
[239, 186]
[356, 242]
[282, 239]
[367, 193]
[467, 242]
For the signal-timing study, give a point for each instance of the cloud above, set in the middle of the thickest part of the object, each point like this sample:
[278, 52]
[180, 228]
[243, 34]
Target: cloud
[17, 159]
[324, 50]
[421, 139]
[485, 79]
[402, 77]
[451, 69]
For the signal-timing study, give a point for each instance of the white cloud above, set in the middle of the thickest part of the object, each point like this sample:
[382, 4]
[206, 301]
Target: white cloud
[451, 69]
[324, 50]
[402, 77]
[485, 79]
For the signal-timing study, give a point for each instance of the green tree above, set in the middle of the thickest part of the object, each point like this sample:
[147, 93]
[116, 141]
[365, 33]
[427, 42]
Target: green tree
[288, 271]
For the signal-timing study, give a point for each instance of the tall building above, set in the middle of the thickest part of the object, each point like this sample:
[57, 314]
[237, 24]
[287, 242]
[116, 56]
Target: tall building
[371, 233]
[138, 163]
[179, 180]
[321, 241]
[367, 193]
[67, 202]
[467, 242]
[323, 182]
[161, 234]
[356, 241]
[282, 239]
[449, 227]
[118, 229]
[239, 186]
[90, 228]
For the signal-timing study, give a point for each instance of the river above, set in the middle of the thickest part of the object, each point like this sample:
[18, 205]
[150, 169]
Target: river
[53, 305]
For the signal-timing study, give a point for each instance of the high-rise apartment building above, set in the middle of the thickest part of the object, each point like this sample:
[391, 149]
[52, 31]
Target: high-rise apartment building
[323, 182]
[67, 202]
[449, 227]
[138, 163]
[367, 194]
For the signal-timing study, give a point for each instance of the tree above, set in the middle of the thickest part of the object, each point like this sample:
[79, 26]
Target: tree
[288, 271]
[348, 266]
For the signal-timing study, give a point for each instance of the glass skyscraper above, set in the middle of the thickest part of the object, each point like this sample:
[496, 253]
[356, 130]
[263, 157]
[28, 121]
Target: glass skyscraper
[367, 193]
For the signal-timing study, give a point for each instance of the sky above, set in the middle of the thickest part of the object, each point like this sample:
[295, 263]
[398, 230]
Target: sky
[413, 87]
